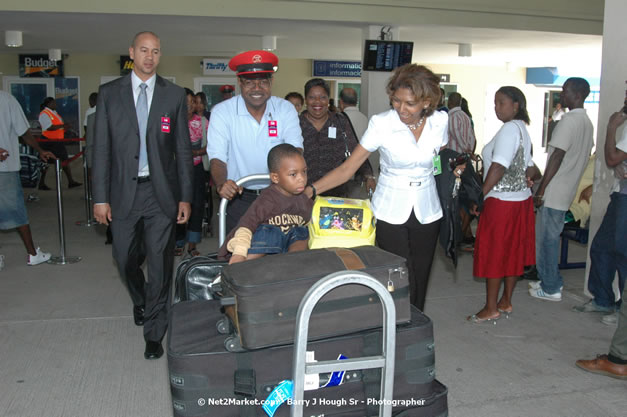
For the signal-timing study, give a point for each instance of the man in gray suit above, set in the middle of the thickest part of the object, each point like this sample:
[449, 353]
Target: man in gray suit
[142, 180]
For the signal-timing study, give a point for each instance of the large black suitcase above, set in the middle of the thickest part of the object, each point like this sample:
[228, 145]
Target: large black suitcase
[207, 380]
[194, 278]
[267, 291]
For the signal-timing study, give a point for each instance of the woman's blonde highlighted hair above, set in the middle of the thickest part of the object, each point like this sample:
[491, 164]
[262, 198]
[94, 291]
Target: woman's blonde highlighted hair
[421, 81]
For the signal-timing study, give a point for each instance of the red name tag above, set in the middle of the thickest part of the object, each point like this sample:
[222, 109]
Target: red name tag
[165, 124]
[273, 130]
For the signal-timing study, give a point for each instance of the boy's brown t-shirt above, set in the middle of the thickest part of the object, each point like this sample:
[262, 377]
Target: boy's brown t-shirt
[272, 207]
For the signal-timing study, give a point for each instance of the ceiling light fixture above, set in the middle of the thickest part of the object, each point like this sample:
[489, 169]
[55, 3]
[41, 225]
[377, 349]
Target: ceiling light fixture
[464, 49]
[13, 38]
[510, 67]
[54, 54]
[268, 43]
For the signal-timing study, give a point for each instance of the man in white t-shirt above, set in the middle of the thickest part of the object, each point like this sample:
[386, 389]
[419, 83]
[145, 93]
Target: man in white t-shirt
[93, 99]
[608, 254]
[13, 124]
[569, 150]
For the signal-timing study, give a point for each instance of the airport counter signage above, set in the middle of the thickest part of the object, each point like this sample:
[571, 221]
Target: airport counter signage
[126, 64]
[351, 69]
[216, 66]
[39, 66]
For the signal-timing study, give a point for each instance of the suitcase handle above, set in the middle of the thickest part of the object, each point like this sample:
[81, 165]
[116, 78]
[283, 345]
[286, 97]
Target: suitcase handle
[349, 258]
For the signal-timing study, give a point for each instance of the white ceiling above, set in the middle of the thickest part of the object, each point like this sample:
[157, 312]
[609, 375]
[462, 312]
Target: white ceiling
[94, 33]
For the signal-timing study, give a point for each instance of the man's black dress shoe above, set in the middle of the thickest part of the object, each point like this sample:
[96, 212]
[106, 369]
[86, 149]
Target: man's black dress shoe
[154, 350]
[138, 315]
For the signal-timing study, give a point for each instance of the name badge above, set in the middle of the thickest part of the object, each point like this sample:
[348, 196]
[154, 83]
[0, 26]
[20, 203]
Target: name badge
[332, 132]
[165, 125]
[437, 165]
[273, 128]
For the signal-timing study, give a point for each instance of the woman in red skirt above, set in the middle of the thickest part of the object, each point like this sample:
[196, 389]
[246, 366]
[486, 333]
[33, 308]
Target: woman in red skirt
[506, 232]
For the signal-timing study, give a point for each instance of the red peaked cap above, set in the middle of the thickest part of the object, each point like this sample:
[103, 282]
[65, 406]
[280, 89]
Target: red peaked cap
[227, 88]
[254, 62]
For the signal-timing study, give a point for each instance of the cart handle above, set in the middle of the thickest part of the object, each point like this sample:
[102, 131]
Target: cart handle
[255, 178]
[385, 361]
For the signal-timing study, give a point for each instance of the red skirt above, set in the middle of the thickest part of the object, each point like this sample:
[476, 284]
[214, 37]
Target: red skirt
[505, 241]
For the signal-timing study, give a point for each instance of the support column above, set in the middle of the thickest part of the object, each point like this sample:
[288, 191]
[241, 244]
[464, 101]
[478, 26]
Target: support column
[613, 70]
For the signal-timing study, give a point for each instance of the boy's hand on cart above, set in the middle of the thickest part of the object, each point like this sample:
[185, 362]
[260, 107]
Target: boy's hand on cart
[236, 258]
[229, 190]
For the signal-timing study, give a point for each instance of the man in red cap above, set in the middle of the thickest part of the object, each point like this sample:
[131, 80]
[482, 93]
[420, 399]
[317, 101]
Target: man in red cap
[244, 129]
[227, 91]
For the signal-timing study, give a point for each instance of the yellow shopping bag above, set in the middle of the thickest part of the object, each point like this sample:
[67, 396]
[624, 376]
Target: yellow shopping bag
[341, 222]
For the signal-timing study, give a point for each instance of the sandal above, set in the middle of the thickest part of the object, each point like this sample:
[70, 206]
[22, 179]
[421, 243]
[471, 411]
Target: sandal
[193, 252]
[178, 250]
[478, 320]
[506, 312]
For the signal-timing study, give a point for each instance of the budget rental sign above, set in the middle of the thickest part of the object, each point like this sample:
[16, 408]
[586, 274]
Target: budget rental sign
[40, 66]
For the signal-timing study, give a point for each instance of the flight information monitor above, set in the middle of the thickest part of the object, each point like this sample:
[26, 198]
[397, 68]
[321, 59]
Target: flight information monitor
[386, 55]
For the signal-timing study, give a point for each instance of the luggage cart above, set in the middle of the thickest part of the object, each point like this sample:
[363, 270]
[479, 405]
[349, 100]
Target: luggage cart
[385, 361]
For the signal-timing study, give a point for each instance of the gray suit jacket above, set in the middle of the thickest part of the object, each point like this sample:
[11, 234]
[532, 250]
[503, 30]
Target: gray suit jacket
[116, 147]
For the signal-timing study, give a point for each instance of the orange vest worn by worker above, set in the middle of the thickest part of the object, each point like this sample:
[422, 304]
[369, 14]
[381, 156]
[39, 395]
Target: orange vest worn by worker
[56, 121]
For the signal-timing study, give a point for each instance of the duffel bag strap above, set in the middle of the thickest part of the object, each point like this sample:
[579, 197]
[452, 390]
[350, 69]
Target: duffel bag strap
[349, 258]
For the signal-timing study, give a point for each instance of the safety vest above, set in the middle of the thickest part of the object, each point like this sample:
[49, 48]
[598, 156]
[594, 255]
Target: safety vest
[56, 120]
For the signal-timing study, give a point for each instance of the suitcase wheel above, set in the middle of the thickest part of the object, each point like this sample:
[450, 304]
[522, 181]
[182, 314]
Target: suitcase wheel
[223, 326]
[232, 344]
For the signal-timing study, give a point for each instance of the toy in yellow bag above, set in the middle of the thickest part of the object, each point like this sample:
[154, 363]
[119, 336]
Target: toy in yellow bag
[341, 222]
